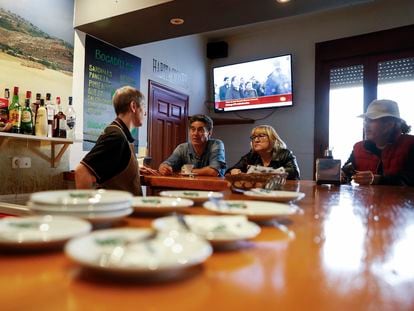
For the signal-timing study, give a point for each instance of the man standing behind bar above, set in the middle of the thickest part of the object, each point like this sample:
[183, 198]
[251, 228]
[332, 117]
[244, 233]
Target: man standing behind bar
[386, 156]
[206, 154]
[112, 163]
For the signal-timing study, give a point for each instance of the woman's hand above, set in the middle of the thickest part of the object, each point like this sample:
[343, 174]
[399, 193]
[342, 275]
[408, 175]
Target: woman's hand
[235, 171]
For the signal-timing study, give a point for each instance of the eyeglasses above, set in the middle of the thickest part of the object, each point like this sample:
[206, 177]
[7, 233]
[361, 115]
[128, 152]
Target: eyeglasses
[260, 136]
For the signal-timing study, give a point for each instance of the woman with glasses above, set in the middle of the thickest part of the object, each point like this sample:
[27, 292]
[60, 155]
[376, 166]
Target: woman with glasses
[267, 149]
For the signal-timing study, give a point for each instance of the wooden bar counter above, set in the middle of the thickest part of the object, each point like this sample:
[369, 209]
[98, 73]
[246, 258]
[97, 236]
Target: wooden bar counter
[353, 250]
[185, 182]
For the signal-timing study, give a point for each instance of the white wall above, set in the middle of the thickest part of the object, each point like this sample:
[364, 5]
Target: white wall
[76, 153]
[298, 36]
[185, 54]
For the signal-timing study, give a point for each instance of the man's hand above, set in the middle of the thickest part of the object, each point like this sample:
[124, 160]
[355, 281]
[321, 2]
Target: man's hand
[145, 170]
[365, 178]
[206, 171]
[165, 169]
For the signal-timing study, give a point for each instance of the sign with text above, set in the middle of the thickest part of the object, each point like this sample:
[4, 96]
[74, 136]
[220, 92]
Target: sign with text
[106, 69]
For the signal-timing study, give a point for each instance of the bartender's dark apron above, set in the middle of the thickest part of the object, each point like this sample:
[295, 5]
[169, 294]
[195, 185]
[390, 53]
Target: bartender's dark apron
[128, 179]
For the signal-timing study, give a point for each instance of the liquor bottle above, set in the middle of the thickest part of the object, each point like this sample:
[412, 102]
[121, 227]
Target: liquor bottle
[4, 107]
[27, 117]
[51, 111]
[59, 121]
[7, 97]
[35, 105]
[71, 119]
[41, 120]
[15, 111]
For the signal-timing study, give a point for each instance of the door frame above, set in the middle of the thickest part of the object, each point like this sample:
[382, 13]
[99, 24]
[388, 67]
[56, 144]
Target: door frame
[156, 85]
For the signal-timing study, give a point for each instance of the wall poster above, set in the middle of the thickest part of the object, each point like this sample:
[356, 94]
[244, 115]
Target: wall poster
[106, 69]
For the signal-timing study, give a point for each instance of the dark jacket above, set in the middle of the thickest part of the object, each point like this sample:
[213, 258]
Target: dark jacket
[395, 163]
[283, 157]
[223, 91]
[233, 93]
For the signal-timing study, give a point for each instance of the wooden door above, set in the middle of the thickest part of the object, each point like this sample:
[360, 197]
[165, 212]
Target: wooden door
[168, 119]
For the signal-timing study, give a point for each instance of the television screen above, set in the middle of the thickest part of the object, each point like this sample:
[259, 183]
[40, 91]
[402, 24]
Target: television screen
[264, 83]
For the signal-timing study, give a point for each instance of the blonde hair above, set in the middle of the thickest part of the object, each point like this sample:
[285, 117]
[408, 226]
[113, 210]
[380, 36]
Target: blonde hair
[275, 141]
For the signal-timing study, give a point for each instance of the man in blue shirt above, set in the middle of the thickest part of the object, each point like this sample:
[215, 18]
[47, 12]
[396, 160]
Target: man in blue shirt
[206, 154]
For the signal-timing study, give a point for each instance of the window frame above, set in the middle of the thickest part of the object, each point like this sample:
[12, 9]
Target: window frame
[368, 50]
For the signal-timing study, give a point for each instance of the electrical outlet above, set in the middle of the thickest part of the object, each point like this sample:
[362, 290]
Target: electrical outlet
[21, 162]
[25, 162]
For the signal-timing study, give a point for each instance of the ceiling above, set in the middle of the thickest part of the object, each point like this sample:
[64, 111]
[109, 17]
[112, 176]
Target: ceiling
[200, 16]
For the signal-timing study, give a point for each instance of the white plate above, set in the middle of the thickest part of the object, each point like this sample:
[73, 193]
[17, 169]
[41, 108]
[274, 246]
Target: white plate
[165, 253]
[254, 210]
[98, 208]
[40, 231]
[94, 218]
[195, 195]
[81, 197]
[216, 229]
[153, 204]
[274, 195]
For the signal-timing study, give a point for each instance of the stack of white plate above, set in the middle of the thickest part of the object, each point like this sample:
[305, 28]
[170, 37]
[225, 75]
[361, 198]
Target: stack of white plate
[97, 206]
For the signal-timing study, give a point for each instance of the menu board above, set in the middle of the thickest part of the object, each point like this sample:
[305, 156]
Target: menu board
[106, 69]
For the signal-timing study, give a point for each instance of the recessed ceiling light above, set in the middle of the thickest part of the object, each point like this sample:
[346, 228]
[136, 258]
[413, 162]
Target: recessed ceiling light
[282, 1]
[176, 21]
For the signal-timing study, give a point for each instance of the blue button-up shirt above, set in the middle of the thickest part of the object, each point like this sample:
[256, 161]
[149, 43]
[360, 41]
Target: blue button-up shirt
[213, 156]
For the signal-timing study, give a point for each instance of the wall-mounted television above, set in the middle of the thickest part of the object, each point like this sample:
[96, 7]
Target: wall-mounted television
[258, 84]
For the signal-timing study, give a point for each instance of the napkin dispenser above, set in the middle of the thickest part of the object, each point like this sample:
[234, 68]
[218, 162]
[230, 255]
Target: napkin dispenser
[328, 171]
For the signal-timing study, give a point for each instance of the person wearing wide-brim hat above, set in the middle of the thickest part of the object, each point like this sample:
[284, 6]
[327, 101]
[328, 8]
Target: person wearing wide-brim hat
[386, 155]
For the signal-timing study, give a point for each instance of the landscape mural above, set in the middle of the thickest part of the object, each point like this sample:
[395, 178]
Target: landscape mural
[36, 47]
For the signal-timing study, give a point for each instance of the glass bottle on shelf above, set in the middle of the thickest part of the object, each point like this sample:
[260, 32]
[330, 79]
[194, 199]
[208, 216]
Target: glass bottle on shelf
[7, 96]
[15, 111]
[71, 119]
[4, 107]
[27, 118]
[41, 125]
[59, 121]
[35, 105]
[51, 111]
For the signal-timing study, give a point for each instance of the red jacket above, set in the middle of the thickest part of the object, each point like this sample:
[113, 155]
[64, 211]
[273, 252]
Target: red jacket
[394, 157]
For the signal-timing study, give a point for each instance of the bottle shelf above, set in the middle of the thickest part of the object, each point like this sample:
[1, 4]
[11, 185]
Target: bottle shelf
[58, 146]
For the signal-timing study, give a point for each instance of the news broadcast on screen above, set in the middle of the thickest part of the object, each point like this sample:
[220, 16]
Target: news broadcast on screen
[264, 83]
